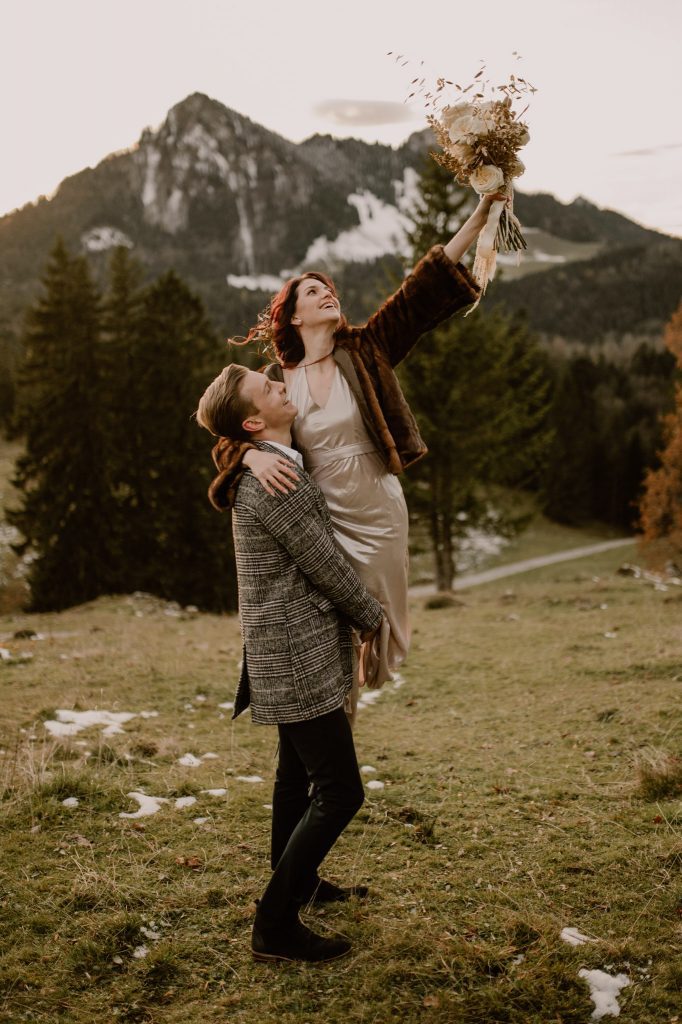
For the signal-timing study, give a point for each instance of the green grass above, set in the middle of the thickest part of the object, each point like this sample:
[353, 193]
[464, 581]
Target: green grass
[530, 780]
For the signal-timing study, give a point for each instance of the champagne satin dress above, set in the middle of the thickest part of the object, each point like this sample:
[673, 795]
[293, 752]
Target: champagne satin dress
[367, 508]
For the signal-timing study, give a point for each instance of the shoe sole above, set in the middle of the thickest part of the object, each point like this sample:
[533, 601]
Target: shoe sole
[275, 957]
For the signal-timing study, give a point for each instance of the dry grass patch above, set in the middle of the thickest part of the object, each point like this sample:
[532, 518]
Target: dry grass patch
[659, 774]
[508, 813]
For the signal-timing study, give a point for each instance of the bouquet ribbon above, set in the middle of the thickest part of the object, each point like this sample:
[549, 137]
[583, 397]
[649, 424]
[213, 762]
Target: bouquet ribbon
[485, 261]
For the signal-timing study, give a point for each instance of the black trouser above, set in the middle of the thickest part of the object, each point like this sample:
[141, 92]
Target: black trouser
[317, 791]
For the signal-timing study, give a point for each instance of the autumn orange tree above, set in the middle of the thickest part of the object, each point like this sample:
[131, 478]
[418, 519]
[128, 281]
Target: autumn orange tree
[661, 504]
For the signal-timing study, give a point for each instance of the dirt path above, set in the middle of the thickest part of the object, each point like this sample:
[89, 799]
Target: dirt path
[475, 578]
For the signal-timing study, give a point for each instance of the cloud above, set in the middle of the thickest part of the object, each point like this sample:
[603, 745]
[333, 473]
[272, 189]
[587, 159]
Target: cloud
[364, 112]
[651, 150]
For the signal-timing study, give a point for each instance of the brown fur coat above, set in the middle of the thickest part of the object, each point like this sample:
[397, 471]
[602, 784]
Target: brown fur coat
[366, 355]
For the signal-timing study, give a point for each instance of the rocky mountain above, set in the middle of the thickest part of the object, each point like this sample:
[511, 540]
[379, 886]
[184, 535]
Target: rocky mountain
[233, 207]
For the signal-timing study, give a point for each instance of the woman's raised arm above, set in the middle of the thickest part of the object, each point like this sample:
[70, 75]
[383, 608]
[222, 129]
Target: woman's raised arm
[471, 228]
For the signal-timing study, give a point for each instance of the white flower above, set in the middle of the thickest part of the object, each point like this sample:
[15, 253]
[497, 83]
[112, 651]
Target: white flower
[463, 153]
[518, 168]
[450, 115]
[464, 120]
[523, 138]
[486, 179]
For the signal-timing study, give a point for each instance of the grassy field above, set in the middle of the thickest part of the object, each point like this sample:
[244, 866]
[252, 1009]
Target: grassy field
[530, 785]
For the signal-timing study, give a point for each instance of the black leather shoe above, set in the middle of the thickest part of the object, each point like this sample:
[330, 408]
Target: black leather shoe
[327, 892]
[296, 943]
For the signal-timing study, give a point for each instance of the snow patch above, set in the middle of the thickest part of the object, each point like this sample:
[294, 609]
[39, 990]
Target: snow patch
[189, 760]
[147, 805]
[254, 283]
[407, 191]
[575, 937]
[185, 801]
[199, 821]
[477, 545]
[207, 155]
[215, 792]
[367, 769]
[102, 238]
[149, 185]
[245, 233]
[382, 230]
[71, 801]
[604, 989]
[174, 215]
[209, 757]
[68, 723]
[368, 698]
[545, 257]
[249, 778]
[375, 784]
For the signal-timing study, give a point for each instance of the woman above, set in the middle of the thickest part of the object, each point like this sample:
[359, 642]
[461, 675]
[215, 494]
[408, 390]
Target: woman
[354, 427]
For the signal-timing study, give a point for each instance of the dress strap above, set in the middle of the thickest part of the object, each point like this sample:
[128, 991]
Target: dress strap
[314, 457]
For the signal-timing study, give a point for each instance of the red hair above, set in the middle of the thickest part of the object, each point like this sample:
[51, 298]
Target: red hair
[284, 340]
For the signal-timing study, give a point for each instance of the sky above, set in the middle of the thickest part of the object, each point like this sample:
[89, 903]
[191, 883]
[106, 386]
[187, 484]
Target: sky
[80, 79]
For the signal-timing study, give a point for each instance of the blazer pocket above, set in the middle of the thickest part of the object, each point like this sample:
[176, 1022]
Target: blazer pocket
[321, 602]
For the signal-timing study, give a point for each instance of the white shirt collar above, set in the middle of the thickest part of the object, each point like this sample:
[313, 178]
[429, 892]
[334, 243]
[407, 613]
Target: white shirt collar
[291, 452]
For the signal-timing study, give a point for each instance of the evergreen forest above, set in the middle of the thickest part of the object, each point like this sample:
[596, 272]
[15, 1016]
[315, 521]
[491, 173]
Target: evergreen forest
[114, 471]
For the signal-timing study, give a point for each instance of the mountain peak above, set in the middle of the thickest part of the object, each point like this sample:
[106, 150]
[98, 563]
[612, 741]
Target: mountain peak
[204, 154]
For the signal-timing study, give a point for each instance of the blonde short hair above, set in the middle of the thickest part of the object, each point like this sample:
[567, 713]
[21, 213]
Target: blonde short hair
[222, 409]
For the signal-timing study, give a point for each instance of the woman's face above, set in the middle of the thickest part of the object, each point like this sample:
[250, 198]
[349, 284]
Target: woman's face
[316, 304]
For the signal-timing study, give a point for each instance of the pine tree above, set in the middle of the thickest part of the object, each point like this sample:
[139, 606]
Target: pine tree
[62, 476]
[661, 504]
[115, 475]
[438, 208]
[188, 552]
[124, 357]
[479, 389]
[573, 476]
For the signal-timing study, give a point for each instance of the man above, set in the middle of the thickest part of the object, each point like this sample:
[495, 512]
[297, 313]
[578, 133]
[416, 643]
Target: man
[298, 599]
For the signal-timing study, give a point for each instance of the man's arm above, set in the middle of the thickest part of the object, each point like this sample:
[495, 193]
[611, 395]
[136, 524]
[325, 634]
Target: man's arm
[294, 521]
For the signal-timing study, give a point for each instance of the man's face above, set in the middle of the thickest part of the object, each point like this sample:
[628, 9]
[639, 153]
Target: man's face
[274, 410]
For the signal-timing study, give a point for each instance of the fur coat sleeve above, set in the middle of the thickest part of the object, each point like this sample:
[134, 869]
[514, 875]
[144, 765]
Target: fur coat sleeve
[434, 290]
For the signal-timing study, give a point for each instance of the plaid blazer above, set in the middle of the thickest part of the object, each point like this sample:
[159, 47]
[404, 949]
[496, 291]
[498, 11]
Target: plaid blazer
[298, 598]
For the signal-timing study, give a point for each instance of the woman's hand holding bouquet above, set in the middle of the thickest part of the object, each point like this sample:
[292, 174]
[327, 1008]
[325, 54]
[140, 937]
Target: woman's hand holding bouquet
[480, 143]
